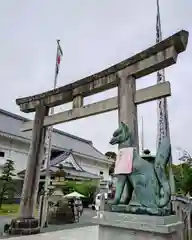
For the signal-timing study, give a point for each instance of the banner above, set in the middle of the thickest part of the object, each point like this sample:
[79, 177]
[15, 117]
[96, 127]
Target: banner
[162, 117]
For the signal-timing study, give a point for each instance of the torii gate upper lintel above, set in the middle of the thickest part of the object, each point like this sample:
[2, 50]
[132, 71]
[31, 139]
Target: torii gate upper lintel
[159, 56]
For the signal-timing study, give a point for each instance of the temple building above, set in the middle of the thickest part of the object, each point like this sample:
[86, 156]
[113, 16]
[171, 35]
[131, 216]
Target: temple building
[78, 157]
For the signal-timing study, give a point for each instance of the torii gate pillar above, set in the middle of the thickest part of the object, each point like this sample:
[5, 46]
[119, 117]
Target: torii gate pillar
[127, 111]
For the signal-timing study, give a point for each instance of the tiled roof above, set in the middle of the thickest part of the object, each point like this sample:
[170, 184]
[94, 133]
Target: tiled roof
[11, 124]
[71, 172]
[60, 158]
[72, 169]
[66, 161]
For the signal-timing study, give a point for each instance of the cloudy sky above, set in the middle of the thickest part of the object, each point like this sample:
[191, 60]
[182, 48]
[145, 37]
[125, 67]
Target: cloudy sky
[94, 34]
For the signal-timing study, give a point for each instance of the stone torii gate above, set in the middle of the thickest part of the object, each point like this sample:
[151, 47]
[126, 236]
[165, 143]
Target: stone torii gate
[123, 75]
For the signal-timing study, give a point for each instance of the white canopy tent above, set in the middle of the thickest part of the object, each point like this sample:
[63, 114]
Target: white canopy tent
[74, 195]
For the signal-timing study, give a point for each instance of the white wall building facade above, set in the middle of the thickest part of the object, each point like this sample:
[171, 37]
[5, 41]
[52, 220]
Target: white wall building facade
[14, 150]
[15, 144]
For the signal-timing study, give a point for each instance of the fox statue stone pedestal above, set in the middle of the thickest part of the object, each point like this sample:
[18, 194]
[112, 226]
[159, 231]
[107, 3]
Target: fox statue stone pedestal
[113, 226]
[150, 215]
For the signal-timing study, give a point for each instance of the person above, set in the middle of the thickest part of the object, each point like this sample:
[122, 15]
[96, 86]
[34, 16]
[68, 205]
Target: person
[79, 205]
[102, 204]
[71, 204]
[97, 205]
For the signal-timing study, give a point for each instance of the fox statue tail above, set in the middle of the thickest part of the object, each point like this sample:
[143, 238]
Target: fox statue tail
[161, 161]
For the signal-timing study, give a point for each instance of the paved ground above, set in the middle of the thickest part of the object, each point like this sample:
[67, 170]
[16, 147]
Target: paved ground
[85, 220]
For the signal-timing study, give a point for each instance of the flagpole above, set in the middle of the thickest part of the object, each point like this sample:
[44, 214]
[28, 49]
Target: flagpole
[48, 144]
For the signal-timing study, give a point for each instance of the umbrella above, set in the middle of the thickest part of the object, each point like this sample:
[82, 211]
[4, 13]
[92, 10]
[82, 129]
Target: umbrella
[74, 195]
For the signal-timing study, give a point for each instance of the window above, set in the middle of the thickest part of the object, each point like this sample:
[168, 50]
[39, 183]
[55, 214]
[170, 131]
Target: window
[2, 154]
[101, 173]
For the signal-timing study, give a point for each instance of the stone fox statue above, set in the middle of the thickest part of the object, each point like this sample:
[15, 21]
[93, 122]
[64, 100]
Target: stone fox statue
[149, 182]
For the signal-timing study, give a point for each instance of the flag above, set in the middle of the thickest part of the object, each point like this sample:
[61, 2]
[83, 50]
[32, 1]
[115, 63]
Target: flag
[58, 58]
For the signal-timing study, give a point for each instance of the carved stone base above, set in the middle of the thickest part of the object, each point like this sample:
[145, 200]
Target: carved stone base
[24, 226]
[115, 226]
[138, 209]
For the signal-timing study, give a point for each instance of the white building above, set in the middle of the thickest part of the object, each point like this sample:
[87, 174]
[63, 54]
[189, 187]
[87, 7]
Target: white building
[75, 153]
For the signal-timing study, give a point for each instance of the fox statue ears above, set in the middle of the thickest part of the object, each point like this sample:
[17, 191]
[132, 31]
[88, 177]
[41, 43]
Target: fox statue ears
[121, 129]
[124, 130]
[124, 127]
[127, 133]
[122, 135]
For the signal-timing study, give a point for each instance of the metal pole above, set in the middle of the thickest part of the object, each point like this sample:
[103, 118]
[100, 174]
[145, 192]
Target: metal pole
[48, 150]
[142, 135]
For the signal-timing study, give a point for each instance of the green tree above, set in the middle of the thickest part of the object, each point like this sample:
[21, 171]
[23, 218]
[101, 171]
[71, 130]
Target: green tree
[86, 188]
[110, 154]
[189, 161]
[183, 177]
[7, 183]
[186, 182]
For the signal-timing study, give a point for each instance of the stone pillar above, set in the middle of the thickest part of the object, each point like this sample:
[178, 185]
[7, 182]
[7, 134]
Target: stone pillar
[127, 111]
[78, 101]
[26, 223]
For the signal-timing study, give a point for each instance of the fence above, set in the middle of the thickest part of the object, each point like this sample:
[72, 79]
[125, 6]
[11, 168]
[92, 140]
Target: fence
[182, 206]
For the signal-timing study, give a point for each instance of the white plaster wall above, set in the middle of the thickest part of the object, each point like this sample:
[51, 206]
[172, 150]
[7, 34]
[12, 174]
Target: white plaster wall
[94, 167]
[16, 151]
